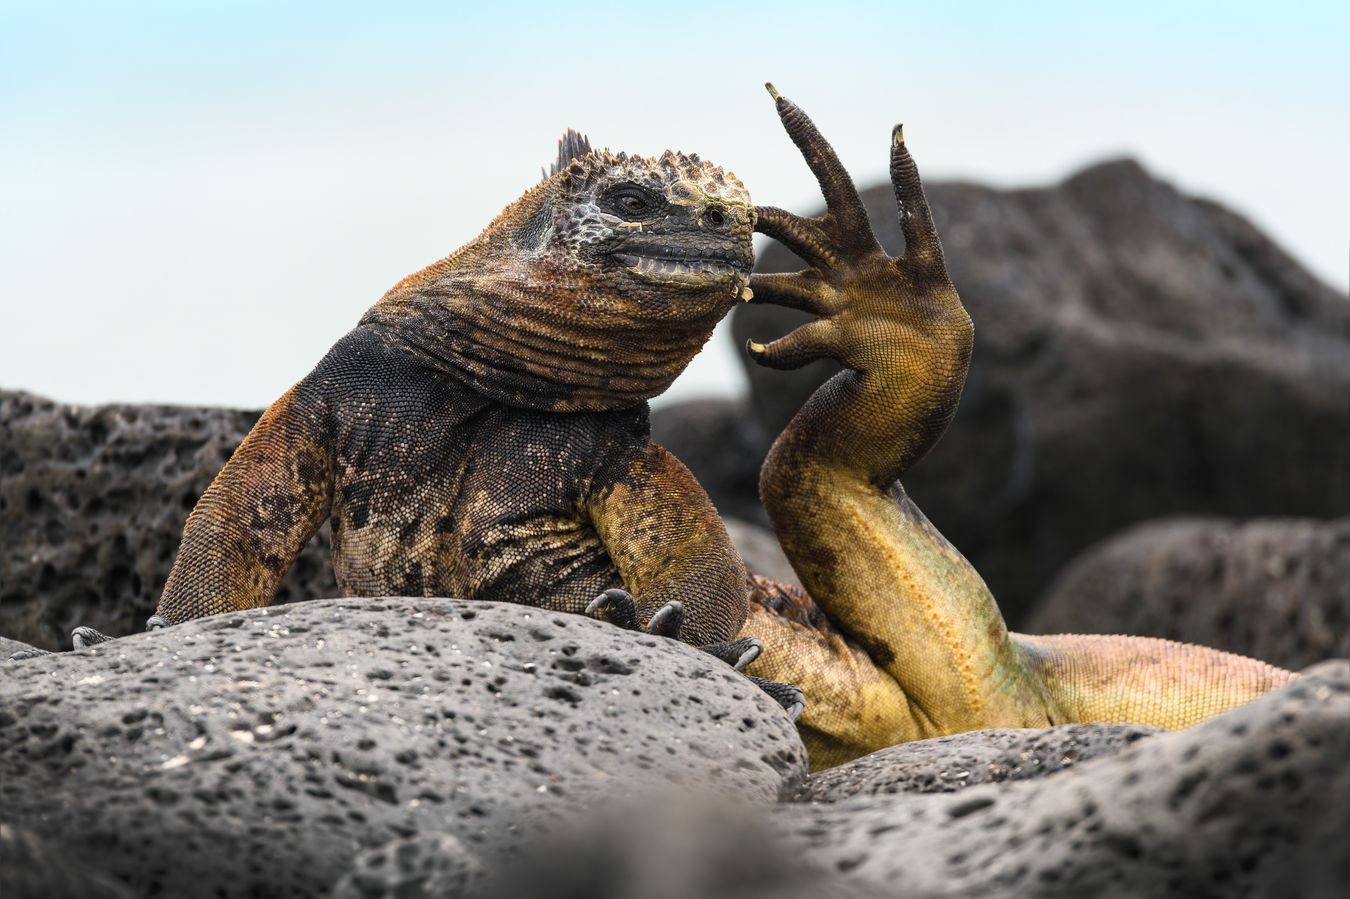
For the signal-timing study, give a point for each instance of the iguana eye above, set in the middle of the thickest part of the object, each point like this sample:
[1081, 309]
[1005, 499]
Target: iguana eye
[632, 201]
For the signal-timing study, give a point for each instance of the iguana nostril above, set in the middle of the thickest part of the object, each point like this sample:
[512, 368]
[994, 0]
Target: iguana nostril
[714, 218]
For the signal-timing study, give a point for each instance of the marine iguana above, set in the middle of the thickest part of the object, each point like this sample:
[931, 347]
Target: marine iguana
[483, 433]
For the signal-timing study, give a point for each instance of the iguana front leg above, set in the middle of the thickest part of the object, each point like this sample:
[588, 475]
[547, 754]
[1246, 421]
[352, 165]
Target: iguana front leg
[668, 544]
[911, 609]
[256, 516]
[665, 539]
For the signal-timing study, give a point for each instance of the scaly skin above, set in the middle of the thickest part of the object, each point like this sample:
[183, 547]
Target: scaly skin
[483, 432]
[900, 638]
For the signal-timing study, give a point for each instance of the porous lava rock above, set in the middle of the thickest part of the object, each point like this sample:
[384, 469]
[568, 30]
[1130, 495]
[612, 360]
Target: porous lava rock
[427, 865]
[256, 754]
[676, 847]
[31, 868]
[1252, 803]
[955, 762]
[8, 647]
[92, 505]
[1274, 589]
[1138, 353]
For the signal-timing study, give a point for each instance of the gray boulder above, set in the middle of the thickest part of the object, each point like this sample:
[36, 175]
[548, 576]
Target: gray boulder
[259, 752]
[8, 647]
[426, 865]
[674, 847]
[32, 868]
[1274, 589]
[948, 764]
[92, 505]
[1138, 353]
[1253, 803]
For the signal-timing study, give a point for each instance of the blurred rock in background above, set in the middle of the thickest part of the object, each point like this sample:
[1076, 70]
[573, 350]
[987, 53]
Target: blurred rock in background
[1276, 589]
[1138, 353]
[723, 444]
[92, 505]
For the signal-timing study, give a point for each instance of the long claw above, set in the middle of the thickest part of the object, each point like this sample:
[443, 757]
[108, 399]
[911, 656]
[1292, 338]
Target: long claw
[791, 698]
[615, 606]
[736, 653]
[155, 622]
[668, 620]
[916, 219]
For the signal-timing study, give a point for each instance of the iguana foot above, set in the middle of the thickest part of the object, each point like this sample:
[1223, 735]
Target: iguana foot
[24, 655]
[618, 607]
[82, 638]
[791, 698]
[736, 653]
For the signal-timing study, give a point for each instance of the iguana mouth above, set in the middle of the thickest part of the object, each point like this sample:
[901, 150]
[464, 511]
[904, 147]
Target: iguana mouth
[684, 264]
[667, 269]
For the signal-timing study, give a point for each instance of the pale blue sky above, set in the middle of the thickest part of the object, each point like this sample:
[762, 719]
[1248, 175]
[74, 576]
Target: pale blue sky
[200, 197]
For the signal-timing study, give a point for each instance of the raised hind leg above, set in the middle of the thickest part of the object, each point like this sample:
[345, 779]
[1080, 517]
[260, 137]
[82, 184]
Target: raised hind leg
[896, 593]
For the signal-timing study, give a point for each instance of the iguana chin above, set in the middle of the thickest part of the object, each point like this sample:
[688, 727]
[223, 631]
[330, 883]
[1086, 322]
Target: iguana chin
[483, 433]
[899, 638]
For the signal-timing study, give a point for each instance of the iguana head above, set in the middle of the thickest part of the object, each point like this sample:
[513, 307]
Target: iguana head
[675, 222]
[592, 291]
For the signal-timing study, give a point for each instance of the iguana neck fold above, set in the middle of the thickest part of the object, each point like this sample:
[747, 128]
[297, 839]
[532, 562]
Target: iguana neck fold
[546, 336]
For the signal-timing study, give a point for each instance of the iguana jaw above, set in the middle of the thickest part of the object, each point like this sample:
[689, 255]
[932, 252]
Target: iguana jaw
[666, 271]
[695, 267]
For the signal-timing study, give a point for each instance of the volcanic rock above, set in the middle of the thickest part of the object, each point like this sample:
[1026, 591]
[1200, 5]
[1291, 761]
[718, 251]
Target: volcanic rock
[260, 752]
[1274, 589]
[1252, 803]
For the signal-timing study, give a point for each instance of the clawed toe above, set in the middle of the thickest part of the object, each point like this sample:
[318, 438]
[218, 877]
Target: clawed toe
[668, 620]
[736, 653]
[83, 637]
[791, 698]
[615, 606]
[618, 607]
[31, 652]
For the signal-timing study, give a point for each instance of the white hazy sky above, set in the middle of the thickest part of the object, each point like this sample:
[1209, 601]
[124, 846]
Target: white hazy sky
[198, 198]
